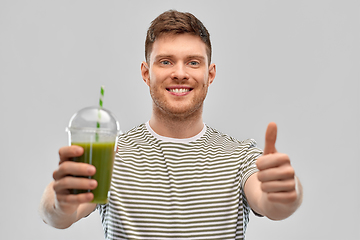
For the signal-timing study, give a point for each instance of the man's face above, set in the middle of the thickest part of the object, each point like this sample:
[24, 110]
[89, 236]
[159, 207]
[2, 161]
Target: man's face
[178, 75]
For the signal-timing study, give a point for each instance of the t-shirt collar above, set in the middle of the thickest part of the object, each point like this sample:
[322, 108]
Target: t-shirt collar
[175, 140]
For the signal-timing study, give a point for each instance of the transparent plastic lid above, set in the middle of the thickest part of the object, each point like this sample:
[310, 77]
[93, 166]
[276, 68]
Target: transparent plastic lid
[94, 119]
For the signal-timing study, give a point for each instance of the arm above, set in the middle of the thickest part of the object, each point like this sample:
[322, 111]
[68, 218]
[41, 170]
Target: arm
[274, 191]
[58, 207]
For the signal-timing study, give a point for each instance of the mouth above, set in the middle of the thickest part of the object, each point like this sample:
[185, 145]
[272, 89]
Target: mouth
[179, 90]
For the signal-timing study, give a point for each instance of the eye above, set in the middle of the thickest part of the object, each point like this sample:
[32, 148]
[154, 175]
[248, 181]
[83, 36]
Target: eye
[194, 63]
[165, 62]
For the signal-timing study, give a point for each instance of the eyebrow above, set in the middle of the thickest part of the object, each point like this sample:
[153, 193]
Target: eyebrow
[197, 57]
[163, 56]
[200, 57]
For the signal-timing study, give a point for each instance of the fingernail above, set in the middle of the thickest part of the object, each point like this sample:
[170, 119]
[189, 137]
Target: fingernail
[79, 150]
[91, 169]
[93, 183]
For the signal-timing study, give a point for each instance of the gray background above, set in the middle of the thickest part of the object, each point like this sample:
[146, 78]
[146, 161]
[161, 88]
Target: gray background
[292, 62]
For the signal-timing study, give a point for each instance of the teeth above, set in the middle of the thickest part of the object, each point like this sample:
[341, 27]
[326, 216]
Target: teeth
[179, 90]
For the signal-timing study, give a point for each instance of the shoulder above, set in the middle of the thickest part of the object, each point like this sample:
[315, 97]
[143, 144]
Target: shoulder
[227, 144]
[136, 131]
[137, 136]
[223, 138]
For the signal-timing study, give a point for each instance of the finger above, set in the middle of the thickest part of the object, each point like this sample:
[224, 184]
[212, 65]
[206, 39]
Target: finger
[73, 168]
[283, 197]
[278, 186]
[270, 138]
[68, 152]
[284, 172]
[75, 199]
[70, 182]
[272, 161]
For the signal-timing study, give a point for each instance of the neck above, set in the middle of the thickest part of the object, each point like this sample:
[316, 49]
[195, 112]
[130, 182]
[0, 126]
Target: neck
[176, 126]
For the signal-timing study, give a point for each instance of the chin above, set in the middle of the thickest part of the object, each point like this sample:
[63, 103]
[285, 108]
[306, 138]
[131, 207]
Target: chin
[184, 113]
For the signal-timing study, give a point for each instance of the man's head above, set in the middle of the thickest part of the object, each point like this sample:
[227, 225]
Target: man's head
[174, 22]
[178, 69]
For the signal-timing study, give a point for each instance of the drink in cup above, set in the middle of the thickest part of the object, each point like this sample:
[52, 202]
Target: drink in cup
[95, 130]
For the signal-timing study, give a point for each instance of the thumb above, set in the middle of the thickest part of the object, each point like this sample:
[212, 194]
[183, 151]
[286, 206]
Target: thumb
[270, 138]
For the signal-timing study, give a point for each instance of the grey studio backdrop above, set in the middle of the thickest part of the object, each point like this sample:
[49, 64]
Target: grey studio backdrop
[292, 62]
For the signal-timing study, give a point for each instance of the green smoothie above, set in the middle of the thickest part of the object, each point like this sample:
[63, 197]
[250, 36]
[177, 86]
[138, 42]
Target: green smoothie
[101, 155]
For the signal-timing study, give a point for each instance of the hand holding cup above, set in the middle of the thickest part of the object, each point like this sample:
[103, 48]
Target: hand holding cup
[64, 179]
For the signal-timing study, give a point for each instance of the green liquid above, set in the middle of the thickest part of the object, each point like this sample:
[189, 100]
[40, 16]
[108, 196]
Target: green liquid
[101, 155]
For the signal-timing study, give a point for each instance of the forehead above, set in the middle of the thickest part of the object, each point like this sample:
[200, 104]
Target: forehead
[178, 45]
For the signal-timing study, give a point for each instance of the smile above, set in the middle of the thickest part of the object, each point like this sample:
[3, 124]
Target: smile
[179, 90]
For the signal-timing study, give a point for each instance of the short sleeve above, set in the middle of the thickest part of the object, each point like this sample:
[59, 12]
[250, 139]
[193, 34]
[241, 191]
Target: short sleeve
[249, 166]
[249, 157]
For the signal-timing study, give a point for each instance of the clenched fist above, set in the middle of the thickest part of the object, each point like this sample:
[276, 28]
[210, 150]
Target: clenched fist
[276, 174]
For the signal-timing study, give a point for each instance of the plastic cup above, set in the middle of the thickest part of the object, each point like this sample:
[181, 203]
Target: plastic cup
[95, 130]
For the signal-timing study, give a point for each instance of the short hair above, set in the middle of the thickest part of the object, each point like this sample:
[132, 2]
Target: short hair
[174, 22]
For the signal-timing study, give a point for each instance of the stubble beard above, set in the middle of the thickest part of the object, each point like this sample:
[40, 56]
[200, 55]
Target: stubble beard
[165, 111]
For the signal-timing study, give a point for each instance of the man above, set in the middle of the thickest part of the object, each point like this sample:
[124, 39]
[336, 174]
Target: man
[175, 177]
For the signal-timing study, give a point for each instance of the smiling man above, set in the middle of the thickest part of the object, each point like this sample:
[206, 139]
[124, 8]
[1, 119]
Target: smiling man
[175, 177]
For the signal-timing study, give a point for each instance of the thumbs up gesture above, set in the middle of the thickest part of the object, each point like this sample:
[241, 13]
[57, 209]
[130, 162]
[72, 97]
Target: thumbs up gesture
[276, 175]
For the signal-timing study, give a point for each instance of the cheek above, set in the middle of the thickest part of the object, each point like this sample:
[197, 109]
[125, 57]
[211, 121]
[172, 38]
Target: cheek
[156, 78]
[205, 79]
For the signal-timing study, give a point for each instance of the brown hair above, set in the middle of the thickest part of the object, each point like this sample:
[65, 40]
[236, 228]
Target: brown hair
[174, 22]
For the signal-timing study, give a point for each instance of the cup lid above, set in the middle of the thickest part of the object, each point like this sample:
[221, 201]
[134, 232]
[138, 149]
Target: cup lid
[94, 119]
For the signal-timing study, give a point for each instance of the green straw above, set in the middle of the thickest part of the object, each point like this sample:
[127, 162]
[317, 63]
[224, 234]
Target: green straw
[99, 113]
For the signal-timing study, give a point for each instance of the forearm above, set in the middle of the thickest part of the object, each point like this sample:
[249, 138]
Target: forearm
[53, 215]
[281, 210]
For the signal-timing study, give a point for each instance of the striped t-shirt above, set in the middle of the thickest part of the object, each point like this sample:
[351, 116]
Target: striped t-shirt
[165, 188]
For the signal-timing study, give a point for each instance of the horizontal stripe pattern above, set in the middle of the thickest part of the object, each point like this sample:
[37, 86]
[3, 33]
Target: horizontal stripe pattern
[172, 190]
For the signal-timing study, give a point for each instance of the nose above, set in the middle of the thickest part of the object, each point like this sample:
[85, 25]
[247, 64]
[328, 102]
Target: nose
[179, 72]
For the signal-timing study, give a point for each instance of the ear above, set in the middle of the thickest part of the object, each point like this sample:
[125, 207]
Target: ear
[145, 73]
[212, 73]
